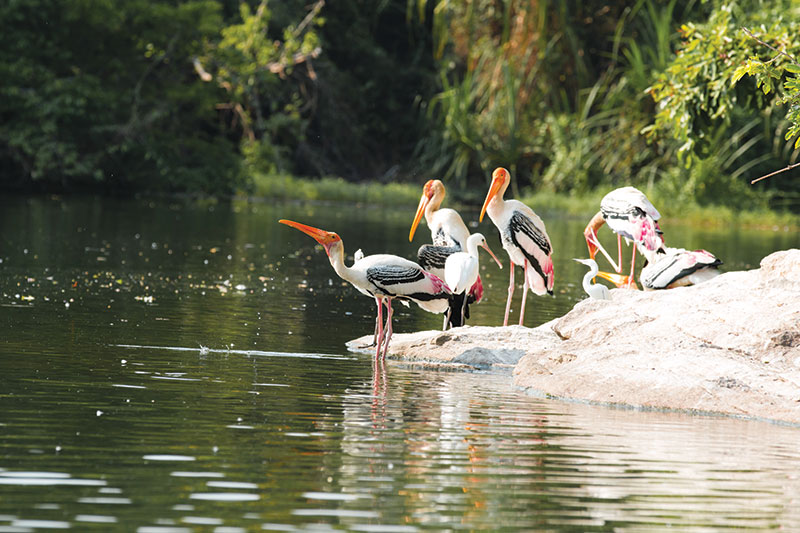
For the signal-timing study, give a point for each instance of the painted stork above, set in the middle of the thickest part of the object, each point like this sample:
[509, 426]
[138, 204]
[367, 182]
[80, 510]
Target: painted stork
[461, 268]
[447, 227]
[629, 214]
[594, 290]
[383, 277]
[449, 235]
[525, 239]
[676, 267]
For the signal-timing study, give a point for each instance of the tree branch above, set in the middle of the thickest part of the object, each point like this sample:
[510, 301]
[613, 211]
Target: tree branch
[780, 52]
[790, 167]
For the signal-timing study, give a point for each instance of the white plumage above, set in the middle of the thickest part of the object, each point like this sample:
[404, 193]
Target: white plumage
[629, 214]
[524, 237]
[594, 290]
[383, 277]
[677, 267]
[447, 227]
[449, 235]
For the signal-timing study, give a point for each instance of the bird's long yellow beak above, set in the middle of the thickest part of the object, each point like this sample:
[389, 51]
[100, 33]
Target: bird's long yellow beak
[497, 182]
[620, 280]
[496, 260]
[423, 203]
[325, 238]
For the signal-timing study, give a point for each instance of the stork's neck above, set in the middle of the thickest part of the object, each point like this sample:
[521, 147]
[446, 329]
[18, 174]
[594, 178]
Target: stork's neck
[496, 205]
[587, 279]
[432, 207]
[336, 257]
[472, 246]
[594, 224]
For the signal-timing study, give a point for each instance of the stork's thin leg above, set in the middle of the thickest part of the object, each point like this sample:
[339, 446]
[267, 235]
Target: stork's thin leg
[446, 319]
[379, 334]
[524, 291]
[633, 266]
[388, 326]
[464, 310]
[377, 324]
[510, 293]
[618, 266]
[591, 238]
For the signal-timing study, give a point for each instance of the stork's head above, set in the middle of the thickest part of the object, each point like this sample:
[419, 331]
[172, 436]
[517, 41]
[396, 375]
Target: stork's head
[326, 238]
[432, 194]
[500, 181]
[588, 262]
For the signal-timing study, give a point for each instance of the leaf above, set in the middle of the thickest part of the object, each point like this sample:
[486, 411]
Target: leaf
[792, 67]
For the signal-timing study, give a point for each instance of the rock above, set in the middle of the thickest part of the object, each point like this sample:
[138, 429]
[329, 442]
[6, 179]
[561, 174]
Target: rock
[729, 345]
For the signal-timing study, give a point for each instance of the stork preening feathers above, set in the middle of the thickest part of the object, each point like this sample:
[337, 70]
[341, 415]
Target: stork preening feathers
[383, 277]
[629, 214]
[525, 239]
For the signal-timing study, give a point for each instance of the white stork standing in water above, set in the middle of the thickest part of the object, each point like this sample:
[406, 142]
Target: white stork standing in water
[525, 239]
[383, 277]
[675, 267]
[629, 214]
[461, 268]
[449, 235]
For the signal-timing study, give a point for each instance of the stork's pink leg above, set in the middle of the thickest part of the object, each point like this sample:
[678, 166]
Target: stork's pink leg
[524, 291]
[388, 328]
[510, 293]
[618, 266]
[379, 332]
[633, 266]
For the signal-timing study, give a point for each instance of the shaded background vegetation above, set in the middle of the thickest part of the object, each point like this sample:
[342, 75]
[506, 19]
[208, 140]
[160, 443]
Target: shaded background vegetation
[218, 96]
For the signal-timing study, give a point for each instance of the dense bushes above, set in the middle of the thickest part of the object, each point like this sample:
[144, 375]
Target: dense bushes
[211, 96]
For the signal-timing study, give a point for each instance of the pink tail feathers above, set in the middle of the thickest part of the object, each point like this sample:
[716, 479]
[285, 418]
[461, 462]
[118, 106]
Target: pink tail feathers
[476, 291]
[538, 284]
[438, 286]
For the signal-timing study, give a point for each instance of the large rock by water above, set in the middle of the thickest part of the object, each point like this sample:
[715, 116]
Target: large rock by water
[730, 345]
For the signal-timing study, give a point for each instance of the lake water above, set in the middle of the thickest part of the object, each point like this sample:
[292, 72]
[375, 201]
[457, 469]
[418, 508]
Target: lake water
[169, 366]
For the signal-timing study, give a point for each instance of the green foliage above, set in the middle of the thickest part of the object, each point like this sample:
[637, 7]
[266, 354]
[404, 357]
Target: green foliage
[90, 95]
[256, 71]
[721, 70]
[573, 97]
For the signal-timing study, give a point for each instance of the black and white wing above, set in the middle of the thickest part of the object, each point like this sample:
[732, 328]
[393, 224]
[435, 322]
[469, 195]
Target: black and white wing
[678, 267]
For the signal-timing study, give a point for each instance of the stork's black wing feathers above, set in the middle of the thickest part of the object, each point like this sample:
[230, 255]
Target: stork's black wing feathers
[431, 256]
[521, 224]
[386, 275]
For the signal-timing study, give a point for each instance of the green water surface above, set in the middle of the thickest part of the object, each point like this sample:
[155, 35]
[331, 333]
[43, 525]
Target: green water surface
[171, 366]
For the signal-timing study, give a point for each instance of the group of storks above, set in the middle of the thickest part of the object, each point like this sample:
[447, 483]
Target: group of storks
[446, 279]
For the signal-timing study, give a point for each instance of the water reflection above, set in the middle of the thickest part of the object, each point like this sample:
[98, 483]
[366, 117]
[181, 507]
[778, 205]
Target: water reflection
[170, 367]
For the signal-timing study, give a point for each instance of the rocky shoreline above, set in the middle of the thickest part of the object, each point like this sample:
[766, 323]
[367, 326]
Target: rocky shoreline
[730, 345]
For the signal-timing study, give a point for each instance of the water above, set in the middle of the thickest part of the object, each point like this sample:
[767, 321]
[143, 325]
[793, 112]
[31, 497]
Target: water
[174, 367]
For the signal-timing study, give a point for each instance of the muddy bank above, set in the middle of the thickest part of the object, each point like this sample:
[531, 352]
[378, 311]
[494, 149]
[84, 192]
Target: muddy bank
[730, 345]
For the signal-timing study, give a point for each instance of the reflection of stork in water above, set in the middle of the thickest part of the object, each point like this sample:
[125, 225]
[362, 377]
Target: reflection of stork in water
[383, 277]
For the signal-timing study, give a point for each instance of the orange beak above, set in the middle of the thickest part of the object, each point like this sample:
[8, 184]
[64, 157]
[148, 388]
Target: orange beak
[423, 203]
[494, 188]
[325, 238]
[619, 280]
[496, 260]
